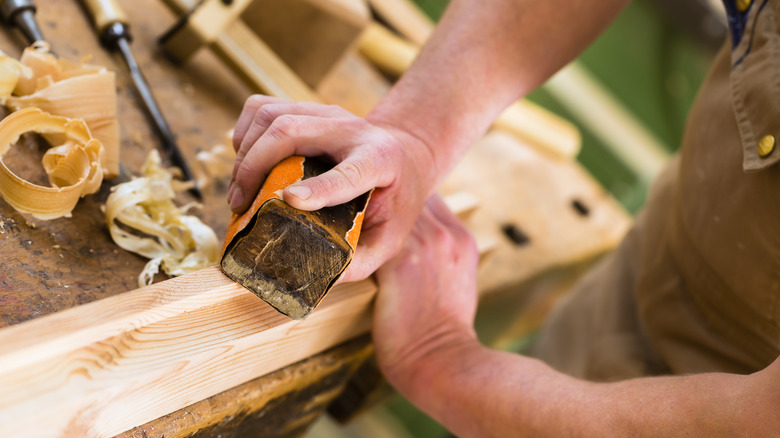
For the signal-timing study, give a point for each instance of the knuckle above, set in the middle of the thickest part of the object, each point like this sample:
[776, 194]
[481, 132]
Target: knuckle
[254, 100]
[353, 172]
[264, 115]
[244, 170]
[284, 126]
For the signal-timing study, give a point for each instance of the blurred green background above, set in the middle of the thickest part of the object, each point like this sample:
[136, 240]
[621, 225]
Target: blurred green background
[651, 60]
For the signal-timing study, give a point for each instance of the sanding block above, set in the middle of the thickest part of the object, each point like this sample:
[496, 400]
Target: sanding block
[288, 257]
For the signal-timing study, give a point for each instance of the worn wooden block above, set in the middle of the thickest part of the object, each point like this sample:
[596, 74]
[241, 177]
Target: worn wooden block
[309, 35]
[288, 257]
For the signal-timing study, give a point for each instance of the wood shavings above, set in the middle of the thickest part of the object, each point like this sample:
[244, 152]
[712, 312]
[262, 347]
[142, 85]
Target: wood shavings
[215, 163]
[10, 72]
[73, 105]
[73, 167]
[172, 240]
[69, 89]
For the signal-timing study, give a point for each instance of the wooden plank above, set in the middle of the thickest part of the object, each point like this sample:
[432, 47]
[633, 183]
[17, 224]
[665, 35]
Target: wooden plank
[281, 404]
[354, 84]
[259, 66]
[103, 368]
[536, 125]
[389, 52]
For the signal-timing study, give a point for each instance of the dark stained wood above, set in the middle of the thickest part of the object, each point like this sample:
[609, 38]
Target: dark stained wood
[288, 257]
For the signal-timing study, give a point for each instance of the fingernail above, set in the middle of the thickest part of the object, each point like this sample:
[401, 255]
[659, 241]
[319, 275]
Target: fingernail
[301, 192]
[230, 193]
[237, 199]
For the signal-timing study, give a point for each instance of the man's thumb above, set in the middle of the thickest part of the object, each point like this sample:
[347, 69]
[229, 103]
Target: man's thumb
[341, 184]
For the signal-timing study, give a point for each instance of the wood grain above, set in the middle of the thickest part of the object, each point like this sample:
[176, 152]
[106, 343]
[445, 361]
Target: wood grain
[281, 404]
[102, 368]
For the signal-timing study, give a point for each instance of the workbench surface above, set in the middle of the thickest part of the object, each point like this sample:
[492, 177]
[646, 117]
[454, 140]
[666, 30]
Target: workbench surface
[54, 265]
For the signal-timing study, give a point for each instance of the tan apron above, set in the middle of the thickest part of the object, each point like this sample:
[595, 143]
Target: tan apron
[695, 285]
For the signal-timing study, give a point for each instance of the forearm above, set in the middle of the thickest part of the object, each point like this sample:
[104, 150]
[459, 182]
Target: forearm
[482, 57]
[475, 391]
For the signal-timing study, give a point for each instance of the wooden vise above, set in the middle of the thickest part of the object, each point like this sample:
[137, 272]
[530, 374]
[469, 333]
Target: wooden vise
[282, 48]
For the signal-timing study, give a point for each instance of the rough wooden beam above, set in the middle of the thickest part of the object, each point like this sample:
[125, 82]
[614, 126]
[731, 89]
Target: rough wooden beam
[105, 367]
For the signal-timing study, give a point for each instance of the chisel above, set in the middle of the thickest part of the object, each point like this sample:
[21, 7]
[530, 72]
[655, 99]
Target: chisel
[114, 30]
[22, 14]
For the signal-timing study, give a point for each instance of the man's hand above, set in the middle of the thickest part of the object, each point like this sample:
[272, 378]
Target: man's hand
[427, 349]
[367, 156]
[427, 294]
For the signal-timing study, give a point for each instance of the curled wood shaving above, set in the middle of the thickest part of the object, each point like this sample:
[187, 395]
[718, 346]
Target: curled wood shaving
[164, 233]
[69, 89]
[10, 72]
[216, 163]
[73, 167]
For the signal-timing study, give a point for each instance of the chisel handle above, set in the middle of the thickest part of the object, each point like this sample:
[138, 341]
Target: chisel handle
[105, 13]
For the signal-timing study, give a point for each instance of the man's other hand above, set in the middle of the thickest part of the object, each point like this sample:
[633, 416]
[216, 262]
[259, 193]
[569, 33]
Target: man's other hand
[427, 294]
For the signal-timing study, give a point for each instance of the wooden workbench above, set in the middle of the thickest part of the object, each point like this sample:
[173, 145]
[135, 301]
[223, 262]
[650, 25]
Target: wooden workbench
[51, 266]
[55, 265]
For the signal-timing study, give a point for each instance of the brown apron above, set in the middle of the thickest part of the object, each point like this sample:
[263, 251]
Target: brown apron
[695, 285]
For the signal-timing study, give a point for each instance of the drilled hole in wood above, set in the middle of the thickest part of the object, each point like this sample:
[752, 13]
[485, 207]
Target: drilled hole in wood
[515, 234]
[580, 208]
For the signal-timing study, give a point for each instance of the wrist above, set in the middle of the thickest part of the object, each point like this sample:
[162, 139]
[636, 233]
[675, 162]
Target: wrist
[419, 150]
[431, 360]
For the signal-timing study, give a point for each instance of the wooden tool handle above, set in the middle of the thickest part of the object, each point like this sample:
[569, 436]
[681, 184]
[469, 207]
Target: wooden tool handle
[105, 13]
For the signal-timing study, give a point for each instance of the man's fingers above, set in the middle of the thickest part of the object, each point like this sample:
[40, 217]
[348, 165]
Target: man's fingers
[244, 122]
[269, 111]
[287, 135]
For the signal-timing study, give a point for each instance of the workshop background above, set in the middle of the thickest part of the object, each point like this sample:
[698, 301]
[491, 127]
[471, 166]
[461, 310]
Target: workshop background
[641, 77]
